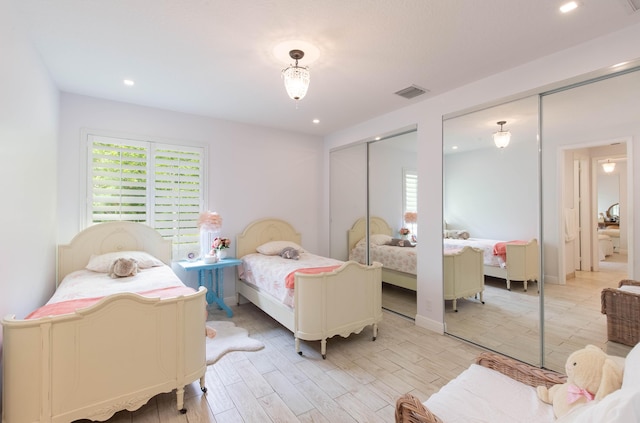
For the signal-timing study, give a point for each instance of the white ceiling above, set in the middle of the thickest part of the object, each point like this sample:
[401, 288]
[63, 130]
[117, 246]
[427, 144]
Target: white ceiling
[216, 58]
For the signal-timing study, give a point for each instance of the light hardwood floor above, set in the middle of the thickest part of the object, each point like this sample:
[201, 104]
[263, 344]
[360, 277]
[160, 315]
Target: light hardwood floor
[360, 379]
[508, 322]
[358, 382]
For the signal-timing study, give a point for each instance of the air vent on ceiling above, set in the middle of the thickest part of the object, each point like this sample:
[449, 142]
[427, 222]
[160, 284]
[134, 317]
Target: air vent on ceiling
[634, 5]
[411, 92]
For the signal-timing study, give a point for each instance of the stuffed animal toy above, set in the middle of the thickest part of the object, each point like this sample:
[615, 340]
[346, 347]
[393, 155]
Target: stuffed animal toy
[123, 267]
[290, 253]
[591, 375]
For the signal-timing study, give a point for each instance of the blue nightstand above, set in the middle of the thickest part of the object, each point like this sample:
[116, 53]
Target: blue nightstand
[208, 274]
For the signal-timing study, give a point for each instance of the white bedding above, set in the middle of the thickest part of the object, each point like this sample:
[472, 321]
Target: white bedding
[403, 259]
[268, 272]
[486, 245]
[480, 394]
[89, 284]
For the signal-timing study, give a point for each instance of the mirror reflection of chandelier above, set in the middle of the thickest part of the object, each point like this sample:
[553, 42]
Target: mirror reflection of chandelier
[501, 138]
[296, 78]
[609, 166]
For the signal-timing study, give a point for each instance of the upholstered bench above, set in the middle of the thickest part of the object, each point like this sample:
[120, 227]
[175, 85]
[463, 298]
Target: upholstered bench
[498, 389]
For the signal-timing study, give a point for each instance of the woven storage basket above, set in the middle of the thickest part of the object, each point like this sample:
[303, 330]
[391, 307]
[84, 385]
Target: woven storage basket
[623, 314]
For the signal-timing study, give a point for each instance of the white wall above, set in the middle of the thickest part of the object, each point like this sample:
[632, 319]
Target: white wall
[253, 172]
[588, 57]
[492, 193]
[28, 134]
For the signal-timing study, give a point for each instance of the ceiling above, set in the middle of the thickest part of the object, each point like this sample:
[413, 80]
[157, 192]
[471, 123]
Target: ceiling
[221, 58]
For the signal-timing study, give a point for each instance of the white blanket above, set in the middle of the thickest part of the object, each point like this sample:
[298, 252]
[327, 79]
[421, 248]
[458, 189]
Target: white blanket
[88, 284]
[268, 273]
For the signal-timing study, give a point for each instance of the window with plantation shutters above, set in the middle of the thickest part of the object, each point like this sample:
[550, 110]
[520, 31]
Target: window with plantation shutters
[410, 194]
[410, 190]
[158, 184]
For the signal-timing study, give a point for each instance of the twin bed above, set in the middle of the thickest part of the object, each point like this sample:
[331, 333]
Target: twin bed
[330, 297]
[400, 262]
[86, 357]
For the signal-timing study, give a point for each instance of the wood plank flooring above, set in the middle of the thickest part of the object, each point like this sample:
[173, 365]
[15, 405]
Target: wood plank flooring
[358, 382]
[508, 322]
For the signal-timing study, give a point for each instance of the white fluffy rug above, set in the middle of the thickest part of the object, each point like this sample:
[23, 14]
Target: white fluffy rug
[229, 338]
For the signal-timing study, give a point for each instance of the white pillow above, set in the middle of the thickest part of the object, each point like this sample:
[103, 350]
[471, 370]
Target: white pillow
[379, 239]
[273, 248]
[102, 262]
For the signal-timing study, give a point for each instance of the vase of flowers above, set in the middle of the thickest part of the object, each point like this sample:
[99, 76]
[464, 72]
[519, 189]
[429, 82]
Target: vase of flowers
[220, 245]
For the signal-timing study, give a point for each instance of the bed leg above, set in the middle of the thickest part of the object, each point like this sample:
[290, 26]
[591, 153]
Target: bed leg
[375, 331]
[203, 388]
[323, 348]
[455, 305]
[508, 285]
[180, 400]
[481, 297]
[525, 286]
[298, 346]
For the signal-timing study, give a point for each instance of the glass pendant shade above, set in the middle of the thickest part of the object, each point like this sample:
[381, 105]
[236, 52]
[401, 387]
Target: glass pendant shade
[502, 137]
[608, 167]
[296, 81]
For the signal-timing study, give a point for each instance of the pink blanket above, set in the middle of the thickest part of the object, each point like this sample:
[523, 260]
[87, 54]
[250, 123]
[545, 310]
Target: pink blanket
[500, 249]
[291, 277]
[67, 307]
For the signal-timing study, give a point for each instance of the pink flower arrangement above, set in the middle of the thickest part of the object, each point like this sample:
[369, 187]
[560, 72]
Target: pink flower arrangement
[221, 243]
[404, 231]
[210, 221]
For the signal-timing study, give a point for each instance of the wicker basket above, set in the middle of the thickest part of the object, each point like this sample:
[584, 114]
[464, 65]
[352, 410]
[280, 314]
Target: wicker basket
[623, 314]
[409, 409]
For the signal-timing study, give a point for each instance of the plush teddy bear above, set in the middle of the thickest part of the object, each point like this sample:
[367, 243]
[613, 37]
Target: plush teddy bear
[591, 375]
[123, 267]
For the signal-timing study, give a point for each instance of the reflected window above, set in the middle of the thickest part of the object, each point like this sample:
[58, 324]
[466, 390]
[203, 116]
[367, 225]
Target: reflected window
[410, 197]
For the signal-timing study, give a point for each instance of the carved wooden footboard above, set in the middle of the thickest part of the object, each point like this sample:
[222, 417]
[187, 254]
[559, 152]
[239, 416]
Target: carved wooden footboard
[112, 356]
[340, 302]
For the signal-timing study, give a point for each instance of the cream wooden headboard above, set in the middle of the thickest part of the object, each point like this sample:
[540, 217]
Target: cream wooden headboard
[265, 230]
[110, 237]
[377, 225]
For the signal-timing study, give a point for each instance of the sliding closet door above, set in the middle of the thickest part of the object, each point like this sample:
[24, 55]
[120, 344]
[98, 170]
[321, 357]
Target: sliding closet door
[348, 195]
[393, 190]
[492, 194]
[584, 126]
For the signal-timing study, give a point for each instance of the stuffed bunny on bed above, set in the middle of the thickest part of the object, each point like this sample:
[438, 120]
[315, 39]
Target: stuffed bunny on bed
[123, 267]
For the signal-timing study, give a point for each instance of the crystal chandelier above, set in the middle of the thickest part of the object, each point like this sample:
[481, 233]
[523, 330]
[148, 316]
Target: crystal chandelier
[296, 78]
[501, 138]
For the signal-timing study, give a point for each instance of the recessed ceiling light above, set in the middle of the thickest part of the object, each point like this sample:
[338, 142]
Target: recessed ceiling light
[377, 138]
[455, 147]
[316, 121]
[568, 7]
[128, 82]
[619, 64]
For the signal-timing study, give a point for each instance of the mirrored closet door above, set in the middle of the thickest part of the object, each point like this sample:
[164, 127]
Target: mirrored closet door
[585, 127]
[374, 189]
[491, 197]
[554, 190]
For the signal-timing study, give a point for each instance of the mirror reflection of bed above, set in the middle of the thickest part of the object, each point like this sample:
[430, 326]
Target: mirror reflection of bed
[399, 262]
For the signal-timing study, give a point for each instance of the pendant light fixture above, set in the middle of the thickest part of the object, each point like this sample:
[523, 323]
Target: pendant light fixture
[296, 78]
[608, 166]
[501, 138]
